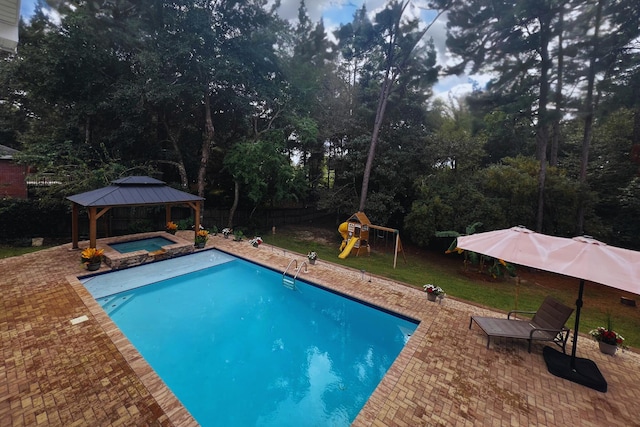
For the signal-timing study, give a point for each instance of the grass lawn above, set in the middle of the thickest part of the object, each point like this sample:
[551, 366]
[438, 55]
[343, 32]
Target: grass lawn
[448, 272]
[7, 251]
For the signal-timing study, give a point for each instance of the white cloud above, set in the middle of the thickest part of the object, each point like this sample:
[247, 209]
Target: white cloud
[459, 86]
[438, 32]
[336, 11]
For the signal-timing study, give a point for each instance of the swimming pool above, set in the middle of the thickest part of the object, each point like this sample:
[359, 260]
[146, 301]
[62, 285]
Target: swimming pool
[150, 245]
[238, 348]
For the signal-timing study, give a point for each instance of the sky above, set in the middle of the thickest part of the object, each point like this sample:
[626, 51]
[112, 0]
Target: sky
[336, 12]
[27, 7]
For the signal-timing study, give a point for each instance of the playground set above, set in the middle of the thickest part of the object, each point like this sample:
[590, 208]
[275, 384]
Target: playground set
[355, 234]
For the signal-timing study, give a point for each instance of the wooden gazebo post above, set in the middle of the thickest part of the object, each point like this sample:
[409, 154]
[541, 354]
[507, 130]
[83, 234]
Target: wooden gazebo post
[196, 226]
[93, 226]
[167, 214]
[94, 214]
[74, 226]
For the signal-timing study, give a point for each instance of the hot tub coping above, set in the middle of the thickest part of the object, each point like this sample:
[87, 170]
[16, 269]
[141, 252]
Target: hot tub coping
[117, 260]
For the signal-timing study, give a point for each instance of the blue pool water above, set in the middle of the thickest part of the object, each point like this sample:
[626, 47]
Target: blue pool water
[240, 349]
[150, 245]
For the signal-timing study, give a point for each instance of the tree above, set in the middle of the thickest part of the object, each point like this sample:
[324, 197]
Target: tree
[58, 81]
[309, 72]
[262, 170]
[612, 43]
[453, 144]
[516, 47]
[401, 67]
[589, 112]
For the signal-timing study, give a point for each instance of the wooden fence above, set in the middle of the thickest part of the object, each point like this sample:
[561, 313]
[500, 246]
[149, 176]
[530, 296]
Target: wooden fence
[119, 221]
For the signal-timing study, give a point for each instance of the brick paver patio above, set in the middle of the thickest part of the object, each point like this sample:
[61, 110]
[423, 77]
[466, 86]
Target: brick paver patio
[87, 374]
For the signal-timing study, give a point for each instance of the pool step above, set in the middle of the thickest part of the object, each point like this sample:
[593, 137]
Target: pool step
[289, 282]
[112, 303]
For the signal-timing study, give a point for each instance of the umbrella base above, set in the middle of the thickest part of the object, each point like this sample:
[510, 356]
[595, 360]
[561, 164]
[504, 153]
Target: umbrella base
[585, 373]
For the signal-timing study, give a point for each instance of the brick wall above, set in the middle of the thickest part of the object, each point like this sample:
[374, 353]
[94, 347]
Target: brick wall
[12, 180]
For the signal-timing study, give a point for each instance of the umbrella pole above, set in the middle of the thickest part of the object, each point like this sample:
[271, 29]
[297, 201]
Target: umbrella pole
[575, 329]
[572, 368]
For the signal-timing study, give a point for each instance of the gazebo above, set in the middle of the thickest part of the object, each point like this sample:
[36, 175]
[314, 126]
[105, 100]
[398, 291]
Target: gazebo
[129, 191]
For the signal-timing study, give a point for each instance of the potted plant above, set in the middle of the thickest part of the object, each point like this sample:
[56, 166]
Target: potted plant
[256, 241]
[92, 258]
[171, 227]
[608, 339]
[214, 230]
[433, 292]
[312, 256]
[201, 238]
[226, 232]
[238, 235]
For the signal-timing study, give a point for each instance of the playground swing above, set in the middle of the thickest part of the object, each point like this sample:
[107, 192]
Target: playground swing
[355, 236]
[382, 237]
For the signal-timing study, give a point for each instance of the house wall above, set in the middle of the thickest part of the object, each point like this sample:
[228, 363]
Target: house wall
[12, 180]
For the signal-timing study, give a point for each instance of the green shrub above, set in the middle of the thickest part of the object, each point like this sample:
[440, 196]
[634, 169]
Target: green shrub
[185, 224]
[24, 219]
[141, 226]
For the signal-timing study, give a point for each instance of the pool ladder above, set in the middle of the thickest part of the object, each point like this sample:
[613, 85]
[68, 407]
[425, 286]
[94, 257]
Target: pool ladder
[288, 281]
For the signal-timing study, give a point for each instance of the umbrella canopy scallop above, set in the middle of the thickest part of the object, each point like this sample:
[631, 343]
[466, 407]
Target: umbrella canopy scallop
[581, 257]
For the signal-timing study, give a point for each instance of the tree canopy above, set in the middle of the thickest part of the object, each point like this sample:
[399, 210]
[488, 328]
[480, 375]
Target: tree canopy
[226, 99]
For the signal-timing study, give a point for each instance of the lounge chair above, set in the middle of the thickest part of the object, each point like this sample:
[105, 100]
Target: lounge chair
[547, 324]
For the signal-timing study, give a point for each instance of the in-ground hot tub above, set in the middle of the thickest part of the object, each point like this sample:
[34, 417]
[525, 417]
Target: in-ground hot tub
[149, 244]
[135, 249]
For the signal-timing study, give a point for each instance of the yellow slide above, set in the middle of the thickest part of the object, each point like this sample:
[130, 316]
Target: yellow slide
[344, 232]
[347, 250]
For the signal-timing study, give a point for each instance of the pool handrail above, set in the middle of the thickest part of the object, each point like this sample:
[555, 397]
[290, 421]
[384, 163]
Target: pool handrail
[290, 282]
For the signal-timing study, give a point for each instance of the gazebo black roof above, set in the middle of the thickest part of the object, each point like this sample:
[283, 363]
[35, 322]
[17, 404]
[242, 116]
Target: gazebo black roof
[133, 191]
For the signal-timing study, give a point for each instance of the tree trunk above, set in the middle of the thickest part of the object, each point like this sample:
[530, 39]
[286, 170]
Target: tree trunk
[542, 134]
[392, 72]
[382, 105]
[87, 130]
[555, 131]
[207, 143]
[181, 170]
[588, 123]
[636, 126]
[236, 197]
[179, 163]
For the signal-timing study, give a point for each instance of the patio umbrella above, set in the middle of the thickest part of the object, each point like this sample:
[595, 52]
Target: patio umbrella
[581, 257]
